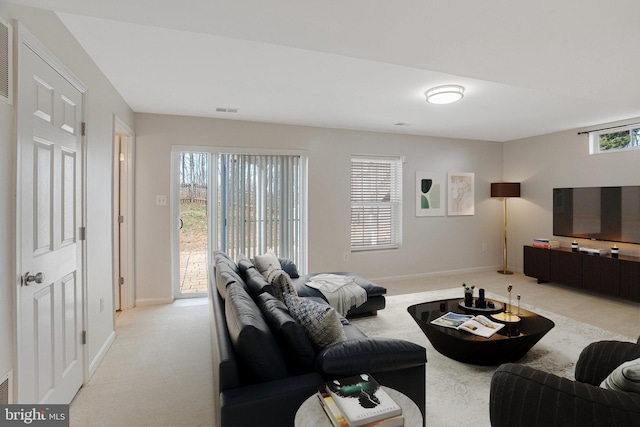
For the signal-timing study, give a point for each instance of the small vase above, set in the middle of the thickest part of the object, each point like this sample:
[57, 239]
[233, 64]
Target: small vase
[468, 299]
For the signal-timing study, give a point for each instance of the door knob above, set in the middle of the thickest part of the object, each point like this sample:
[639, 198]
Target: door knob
[29, 278]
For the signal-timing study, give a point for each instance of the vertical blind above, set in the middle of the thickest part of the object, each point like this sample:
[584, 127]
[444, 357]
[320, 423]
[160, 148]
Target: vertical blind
[259, 206]
[376, 203]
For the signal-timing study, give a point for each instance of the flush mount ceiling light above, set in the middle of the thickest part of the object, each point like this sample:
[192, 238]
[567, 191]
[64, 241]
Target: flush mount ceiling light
[444, 94]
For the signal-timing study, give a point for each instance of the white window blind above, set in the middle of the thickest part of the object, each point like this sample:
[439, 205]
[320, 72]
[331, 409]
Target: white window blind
[260, 205]
[376, 203]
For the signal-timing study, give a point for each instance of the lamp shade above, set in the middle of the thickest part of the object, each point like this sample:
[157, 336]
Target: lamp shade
[505, 189]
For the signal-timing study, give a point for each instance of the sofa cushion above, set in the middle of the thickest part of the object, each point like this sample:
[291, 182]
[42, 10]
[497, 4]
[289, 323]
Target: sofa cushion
[257, 283]
[226, 274]
[320, 321]
[368, 354]
[296, 347]
[222, 257]
[244, 264]
[251, 337]
[625, 377]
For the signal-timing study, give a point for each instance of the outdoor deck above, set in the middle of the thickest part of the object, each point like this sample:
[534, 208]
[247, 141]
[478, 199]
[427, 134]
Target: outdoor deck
[193, 272]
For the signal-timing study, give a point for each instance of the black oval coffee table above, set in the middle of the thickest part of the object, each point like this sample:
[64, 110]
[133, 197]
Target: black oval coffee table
[507, 345]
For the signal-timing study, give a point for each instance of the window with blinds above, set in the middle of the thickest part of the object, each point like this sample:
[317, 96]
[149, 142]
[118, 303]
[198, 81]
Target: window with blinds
[376, 203]
[260, 205]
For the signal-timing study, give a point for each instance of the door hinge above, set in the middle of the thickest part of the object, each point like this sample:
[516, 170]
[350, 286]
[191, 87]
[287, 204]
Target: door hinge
[84, 337]
[84, 128]
[121, 219]
[121, 281]
[83, 233]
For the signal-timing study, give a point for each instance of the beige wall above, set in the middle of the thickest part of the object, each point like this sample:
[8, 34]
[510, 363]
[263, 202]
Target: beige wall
[430, 244]
[553, 161]
[103, 103]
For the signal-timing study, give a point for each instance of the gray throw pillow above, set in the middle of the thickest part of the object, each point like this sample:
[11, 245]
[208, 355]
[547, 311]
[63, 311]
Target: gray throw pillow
[290, 267]
[625, 377]
[320, 321]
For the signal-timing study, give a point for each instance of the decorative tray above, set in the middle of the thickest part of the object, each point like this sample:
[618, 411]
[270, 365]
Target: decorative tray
[497, 307]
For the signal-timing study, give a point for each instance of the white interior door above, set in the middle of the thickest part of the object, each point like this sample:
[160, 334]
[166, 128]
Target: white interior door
[50, 296]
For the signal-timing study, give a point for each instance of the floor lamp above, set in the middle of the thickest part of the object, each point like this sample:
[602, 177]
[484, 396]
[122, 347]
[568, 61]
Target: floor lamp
[505, 190]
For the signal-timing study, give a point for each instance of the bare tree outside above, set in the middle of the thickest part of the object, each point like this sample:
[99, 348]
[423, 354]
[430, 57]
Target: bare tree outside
[194, 173]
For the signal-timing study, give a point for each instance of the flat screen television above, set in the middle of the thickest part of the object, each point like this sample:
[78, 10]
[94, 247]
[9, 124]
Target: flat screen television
[598, 213]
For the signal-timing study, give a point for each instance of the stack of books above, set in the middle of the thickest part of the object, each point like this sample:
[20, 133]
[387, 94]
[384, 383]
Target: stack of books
[541, 242]
[359, 401]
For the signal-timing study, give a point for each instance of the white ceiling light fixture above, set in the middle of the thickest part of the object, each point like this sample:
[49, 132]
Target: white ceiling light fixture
[444, 94]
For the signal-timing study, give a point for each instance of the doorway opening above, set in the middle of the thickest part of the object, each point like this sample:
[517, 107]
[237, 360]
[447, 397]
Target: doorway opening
[193, 172]
[123, 205]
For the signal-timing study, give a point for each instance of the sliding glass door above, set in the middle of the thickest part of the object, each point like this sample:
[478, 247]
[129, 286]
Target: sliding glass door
[193, 222]
[260, 205]
[241, 203]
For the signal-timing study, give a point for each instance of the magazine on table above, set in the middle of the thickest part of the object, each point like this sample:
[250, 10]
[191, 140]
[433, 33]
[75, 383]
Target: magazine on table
[360, 401]
[478, 325]
[337, 419]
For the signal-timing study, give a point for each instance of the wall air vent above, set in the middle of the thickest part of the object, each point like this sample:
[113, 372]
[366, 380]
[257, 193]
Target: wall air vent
[226, 110]
[6, 62]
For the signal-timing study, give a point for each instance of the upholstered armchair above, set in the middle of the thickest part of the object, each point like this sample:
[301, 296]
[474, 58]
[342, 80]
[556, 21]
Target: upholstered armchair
[523, 396]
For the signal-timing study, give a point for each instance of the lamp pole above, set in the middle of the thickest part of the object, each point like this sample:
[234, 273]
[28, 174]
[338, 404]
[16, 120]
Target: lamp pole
[504, 248]
[505, 190]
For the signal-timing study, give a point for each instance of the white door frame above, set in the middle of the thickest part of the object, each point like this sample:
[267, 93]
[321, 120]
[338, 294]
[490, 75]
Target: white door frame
[26, 40]
[121, 130]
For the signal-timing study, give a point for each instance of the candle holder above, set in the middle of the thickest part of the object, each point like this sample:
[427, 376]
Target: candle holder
[481, 302]
[614, 251]
[508, 317]
[468, 295]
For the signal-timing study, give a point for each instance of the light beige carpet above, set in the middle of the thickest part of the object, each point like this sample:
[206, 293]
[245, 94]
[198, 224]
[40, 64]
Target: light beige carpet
[157, 373]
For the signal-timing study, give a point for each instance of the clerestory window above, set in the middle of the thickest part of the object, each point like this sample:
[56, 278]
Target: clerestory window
[615, 139]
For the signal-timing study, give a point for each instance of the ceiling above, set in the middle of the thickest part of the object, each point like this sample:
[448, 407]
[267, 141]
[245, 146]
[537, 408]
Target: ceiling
[529, 68]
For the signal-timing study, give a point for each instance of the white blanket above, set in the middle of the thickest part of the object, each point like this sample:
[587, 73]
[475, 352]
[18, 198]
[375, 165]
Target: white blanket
[341, 292]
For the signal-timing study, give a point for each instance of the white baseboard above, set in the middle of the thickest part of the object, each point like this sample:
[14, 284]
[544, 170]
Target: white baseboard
[153, 301]
[384, 280]
[101, 354]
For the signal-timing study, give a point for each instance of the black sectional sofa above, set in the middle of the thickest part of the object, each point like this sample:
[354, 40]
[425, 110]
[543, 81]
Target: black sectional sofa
[265, 367]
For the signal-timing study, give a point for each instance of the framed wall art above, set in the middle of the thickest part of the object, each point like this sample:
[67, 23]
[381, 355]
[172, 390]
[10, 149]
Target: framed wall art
[460, 191]
[430, 189]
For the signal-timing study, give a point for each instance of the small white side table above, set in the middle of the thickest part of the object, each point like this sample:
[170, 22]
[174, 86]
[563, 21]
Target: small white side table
[311, 414]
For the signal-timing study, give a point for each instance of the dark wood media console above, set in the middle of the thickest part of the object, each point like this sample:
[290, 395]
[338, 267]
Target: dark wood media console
[599, 273]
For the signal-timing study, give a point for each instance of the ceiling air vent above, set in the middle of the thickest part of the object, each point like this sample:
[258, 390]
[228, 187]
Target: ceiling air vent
[226, 110]
[6, 43]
